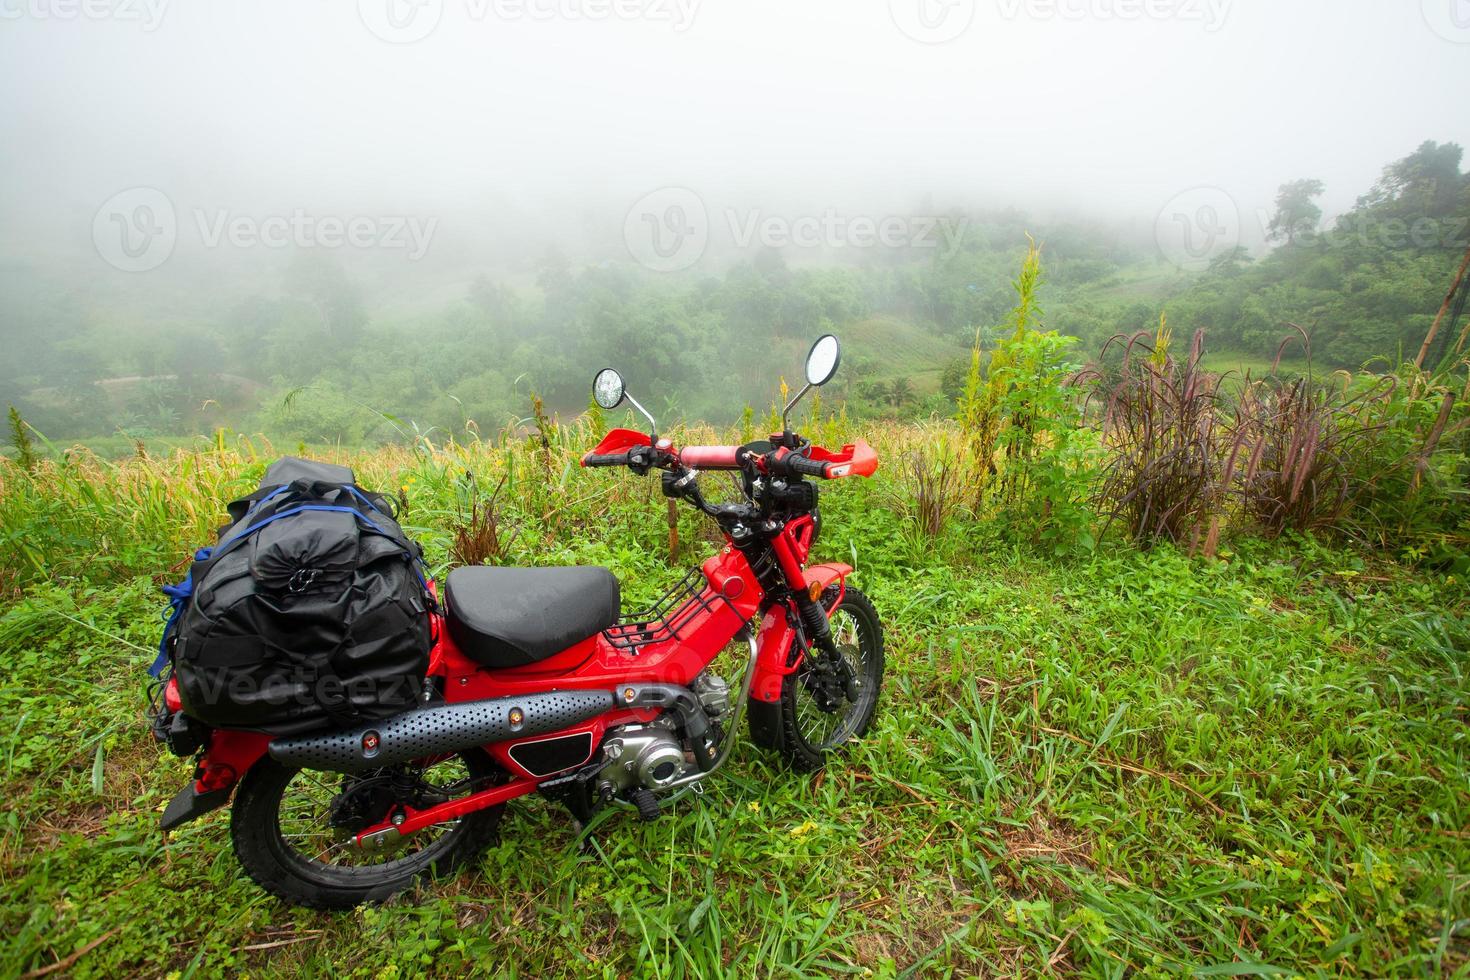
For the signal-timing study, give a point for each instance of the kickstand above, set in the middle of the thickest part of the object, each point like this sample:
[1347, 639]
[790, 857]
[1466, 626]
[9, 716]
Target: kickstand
[587, 842]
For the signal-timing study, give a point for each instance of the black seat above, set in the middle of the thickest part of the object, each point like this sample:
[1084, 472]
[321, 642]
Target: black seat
[511, 617]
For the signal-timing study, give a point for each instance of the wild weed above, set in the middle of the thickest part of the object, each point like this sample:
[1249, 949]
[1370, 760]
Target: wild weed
[1162, 436]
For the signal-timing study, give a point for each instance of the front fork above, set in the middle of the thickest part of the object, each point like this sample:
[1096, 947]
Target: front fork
[783, 646]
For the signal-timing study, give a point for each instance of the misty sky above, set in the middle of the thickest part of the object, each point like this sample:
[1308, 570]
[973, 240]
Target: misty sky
[510, 113]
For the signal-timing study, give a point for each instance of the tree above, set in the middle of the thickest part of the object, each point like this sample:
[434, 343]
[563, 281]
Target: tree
[335, 298]
[1427, 180]
[1296, 211]
[1230, 262]
[952, 381]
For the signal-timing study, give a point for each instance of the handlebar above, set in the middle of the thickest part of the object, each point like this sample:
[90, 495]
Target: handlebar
[605, 459]
[857, 459]
[776, 463]
[711, 457]
[799, 465]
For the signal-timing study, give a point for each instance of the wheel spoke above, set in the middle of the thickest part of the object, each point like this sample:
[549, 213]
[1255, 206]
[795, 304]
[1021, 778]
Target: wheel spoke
[306, 809]
[821, 729]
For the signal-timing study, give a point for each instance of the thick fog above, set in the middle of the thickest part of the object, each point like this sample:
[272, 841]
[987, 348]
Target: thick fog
[468, 133]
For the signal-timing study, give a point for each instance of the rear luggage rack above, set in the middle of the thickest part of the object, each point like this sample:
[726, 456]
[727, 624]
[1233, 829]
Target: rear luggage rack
[669, 615]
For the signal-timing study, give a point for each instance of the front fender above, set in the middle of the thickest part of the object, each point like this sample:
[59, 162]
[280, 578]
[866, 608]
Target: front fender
[776, 635]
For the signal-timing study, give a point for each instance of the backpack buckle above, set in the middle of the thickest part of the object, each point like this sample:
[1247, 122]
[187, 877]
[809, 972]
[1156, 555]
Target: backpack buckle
[302, 579]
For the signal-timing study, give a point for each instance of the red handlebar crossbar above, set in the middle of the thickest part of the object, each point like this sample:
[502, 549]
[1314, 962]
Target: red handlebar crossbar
[710, 457]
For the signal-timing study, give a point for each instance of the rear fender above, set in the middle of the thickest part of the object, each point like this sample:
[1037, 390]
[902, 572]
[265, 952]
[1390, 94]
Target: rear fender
[773, 659]
[229, 756]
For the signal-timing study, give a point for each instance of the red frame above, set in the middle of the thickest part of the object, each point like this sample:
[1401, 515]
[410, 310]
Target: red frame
[732, 596]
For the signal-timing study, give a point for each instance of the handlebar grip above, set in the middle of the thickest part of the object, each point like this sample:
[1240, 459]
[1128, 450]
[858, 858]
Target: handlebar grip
[605, 459]
[804, 466]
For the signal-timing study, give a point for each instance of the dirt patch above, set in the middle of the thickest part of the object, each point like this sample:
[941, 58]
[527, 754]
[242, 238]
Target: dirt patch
[1049, 837]
[86, 821]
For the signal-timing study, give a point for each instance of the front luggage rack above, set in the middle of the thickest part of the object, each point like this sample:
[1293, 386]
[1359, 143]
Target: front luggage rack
[669, 615]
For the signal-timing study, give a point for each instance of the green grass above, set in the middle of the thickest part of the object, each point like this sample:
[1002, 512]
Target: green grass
[900, 349]
[1146, 282]
[1131, 763]
[1239, 363]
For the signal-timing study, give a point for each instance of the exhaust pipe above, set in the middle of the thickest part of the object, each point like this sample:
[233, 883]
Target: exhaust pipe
[440, 729]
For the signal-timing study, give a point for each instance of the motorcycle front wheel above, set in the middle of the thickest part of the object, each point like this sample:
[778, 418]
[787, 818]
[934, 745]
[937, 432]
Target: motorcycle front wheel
[808, 723]
[294, 829]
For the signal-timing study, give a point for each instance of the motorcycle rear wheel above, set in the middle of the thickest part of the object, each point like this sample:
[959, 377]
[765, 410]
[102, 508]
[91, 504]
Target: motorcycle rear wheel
[315, 864]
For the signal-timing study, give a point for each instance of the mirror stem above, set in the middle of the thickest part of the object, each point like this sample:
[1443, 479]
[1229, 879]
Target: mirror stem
[652, 425]
[786, 428]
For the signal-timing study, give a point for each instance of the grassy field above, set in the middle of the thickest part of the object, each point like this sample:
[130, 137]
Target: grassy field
[1132, 763]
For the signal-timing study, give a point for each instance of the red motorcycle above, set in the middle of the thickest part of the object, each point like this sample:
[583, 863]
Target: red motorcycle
[537, 683]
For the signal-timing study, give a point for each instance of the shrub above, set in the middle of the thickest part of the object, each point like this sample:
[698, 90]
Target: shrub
[20, 441]
[1161, 478]
[1302, 443]
[1380, 458]
[477, 537]
[1030, 458]
[936, 484]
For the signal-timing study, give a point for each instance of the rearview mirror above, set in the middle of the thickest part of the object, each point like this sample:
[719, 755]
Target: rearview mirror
[608, 389]
[822, 360]
[821, 364]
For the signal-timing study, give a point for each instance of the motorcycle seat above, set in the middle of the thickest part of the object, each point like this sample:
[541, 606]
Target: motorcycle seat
[511, 617]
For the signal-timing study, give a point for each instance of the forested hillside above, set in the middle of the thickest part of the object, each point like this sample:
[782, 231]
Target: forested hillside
[319, 353]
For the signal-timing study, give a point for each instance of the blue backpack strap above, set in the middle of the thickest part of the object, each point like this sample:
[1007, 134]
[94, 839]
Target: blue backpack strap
[177, 596]
[363, 497]
[235, 539]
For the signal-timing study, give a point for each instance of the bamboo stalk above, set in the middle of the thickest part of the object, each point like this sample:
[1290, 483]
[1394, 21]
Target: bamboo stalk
[1443, 309]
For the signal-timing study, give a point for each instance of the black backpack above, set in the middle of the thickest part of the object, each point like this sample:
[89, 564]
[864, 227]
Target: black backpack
[311, 612]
